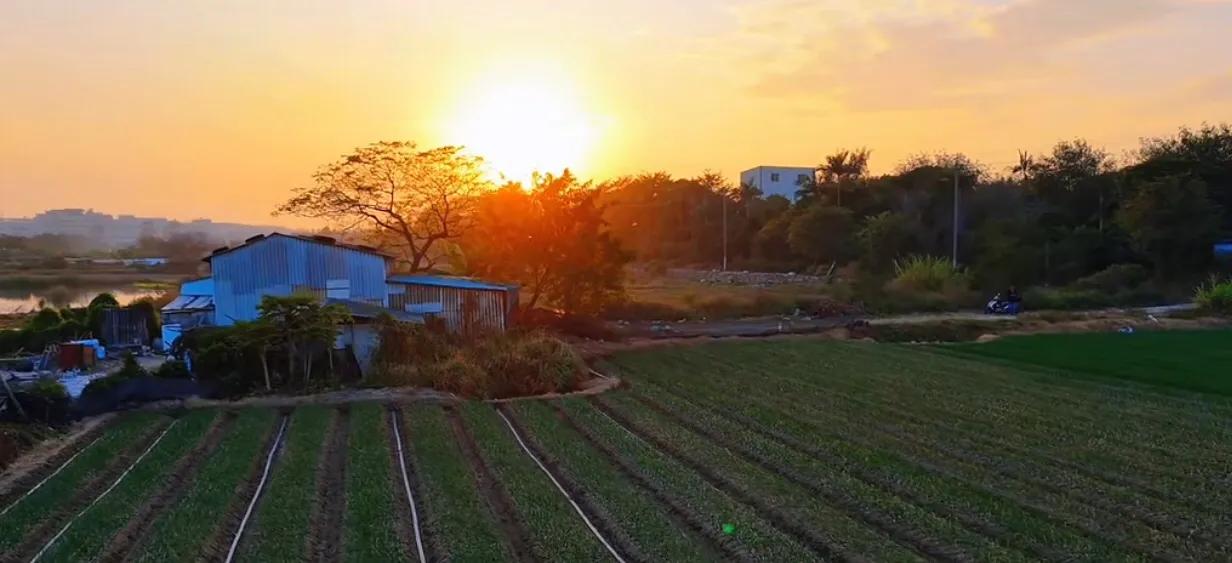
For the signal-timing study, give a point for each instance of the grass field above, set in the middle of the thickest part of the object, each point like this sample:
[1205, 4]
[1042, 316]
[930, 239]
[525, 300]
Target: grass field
[750, 451]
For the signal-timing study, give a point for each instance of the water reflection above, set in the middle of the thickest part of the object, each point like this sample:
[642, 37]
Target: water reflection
[25, 300]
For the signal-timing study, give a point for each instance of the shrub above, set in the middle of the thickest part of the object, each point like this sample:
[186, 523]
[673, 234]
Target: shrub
[1115, 278]
[130, 370]
[495, 366]
[48, 389]
[173, 369]
[928, 273]
[1215, 296]
[1071, 298]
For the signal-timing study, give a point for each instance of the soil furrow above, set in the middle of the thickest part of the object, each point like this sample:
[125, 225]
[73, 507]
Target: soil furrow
[496, 497]
[593, 509]
[325, 525]
[135, 531]
[910, 539]
[1093, 530]
[224, 530]
[402, 509]
[967, 521]
[704, 533]
[33, 477]
[808, 537]
[86, 494]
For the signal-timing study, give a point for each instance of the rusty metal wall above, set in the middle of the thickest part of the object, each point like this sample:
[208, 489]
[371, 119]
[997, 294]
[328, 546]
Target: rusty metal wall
[463, 310]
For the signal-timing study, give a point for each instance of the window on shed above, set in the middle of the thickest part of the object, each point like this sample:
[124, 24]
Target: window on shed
[802, 179]
[774, 176]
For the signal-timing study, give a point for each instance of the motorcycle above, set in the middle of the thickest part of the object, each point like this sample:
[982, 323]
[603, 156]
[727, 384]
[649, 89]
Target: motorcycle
[1000, 306]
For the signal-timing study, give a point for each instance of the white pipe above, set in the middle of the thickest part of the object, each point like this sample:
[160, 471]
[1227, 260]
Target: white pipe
[269, 460]
[406, 484]
[115, 484]
[560, 488]
[48, 478]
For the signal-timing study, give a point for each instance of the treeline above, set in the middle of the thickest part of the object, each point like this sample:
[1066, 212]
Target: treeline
[1074, 216]
[1052, 219]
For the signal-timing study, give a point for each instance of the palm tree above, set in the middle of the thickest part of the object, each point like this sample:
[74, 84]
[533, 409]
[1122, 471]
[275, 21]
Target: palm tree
[844, 165]
[1026, 165]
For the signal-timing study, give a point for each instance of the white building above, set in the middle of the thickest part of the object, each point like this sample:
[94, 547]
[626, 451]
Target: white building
[778, 180]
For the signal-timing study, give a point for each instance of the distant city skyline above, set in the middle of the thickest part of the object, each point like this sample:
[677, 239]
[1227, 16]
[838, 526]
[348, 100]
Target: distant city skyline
[120, 230]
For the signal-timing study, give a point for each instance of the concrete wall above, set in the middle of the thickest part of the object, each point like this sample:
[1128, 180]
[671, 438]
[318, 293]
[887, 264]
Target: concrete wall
[777, 180]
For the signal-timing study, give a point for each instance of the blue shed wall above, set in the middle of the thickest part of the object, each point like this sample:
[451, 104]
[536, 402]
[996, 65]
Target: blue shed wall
[278, 265]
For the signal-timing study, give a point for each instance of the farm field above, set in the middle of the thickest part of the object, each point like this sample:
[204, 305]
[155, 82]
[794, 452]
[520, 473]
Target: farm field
[1188, 360]
[749, 451]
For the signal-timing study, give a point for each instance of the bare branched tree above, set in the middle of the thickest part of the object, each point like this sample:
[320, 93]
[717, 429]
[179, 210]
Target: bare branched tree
[412, 200]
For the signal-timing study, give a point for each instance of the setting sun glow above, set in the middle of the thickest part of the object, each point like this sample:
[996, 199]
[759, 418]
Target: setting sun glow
[525, 122]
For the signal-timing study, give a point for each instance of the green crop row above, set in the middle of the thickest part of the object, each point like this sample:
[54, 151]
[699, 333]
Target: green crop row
[368, 526]
[556, 532]
[838, 531]
[462, 525]
[56, 492]
[752, 535]
[1008, 429]
[278, 530]
[944, 492]
[637, 516]
[90, 533]
[992, 472]
[181, 533]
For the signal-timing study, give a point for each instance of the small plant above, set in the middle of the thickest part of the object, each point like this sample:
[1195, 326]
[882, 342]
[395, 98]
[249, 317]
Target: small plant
[49, 389]
[173, 369]
[1215, 296]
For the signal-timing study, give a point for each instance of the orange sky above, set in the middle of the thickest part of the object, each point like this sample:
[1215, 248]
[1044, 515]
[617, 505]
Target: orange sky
[217, 109]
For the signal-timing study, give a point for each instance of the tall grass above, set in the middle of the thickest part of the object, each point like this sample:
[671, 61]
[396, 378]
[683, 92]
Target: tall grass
[1215, 295]
[928, 273]
[491, 366]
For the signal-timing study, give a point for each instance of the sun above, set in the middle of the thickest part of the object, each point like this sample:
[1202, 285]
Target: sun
[523, 121]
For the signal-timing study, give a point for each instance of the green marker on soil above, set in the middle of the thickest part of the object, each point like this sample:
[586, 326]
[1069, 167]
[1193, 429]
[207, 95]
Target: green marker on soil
[729, 529]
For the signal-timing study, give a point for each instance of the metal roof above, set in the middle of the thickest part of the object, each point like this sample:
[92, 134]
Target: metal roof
[190, 303]
[372, 311]
[329, 241]
[449, 281]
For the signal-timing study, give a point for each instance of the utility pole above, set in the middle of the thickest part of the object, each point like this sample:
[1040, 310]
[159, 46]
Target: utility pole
[954, 250]
[724, 195]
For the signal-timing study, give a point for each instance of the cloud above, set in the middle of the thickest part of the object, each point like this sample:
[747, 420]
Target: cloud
[886, 55]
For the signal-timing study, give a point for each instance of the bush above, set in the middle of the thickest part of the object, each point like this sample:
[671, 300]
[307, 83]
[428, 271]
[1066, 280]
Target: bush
[173, 369]
[1118, 277]
[495, 366]
[928, 273]
[130, 370]
[48, 389]
[1215, 296]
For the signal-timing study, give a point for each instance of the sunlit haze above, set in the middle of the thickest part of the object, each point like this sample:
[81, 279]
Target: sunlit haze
[218, 109]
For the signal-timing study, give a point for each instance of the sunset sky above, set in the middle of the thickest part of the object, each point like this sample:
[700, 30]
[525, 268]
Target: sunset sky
[217, 109]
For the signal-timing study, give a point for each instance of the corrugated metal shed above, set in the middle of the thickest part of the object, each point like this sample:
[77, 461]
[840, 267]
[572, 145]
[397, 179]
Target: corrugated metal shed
[464, 304]
[281, 265]
[361, 310]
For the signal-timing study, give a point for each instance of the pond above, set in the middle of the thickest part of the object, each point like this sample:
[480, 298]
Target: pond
[26, 300]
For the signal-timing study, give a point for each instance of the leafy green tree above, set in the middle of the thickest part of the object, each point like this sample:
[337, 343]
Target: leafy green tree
[301, 324]
[844, 168]
[1172, 222]
[551, 240]
[884, 238]
[822, 234]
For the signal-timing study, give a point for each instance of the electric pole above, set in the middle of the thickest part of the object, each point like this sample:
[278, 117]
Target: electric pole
[954, 250]
[724, 195]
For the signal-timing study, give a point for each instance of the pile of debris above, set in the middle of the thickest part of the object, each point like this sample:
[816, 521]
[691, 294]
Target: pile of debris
[757, 279]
